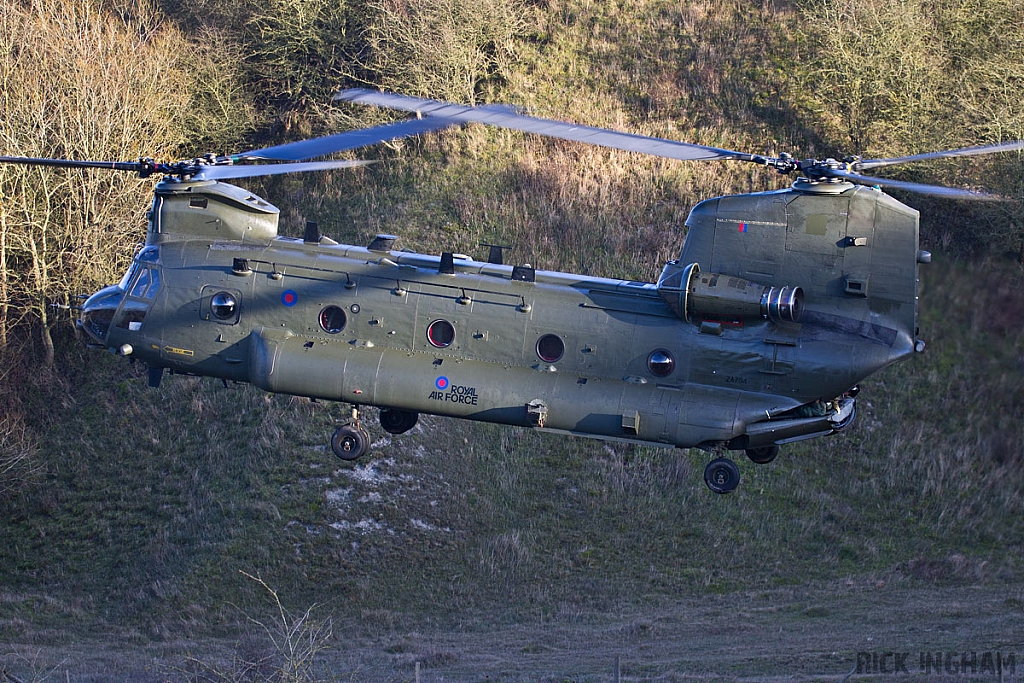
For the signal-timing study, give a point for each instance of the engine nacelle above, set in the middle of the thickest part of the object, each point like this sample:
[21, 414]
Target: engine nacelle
[692, 294]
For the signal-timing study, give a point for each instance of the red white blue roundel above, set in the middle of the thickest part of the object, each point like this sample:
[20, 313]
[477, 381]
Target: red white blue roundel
[289, 297]
[441, 383]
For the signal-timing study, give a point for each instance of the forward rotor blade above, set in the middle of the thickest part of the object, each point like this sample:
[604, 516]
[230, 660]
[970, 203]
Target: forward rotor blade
[505, 117]
[220, 172]
[1012, 146]
[920, 188]
[318, 147]
[73, 163]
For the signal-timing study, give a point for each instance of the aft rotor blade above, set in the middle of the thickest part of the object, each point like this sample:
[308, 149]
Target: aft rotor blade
[318, 147]
[220, 172]
[1012, 146]
[920, 188]
[505, 117]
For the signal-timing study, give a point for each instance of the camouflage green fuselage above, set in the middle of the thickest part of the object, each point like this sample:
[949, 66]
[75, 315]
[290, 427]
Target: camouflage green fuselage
[646, 362]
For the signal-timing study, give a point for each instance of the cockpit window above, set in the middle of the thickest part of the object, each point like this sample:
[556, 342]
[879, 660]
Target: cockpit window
[154, 283]
[147, 284]
[132, 315]
[111, 308]
[123, 284]
[141, 284]
[148, 254]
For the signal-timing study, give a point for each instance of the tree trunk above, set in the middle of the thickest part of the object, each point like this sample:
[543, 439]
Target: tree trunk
[4, 290]
[39, 271]
[45, 337]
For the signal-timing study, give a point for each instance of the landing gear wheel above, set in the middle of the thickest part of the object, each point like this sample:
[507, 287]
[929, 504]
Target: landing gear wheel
[845, 422]
[350, 443]
[721, 475]
[396, 421]
[763, 455]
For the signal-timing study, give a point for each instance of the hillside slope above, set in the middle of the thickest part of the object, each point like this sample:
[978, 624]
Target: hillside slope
[156, 500]
[148, 508]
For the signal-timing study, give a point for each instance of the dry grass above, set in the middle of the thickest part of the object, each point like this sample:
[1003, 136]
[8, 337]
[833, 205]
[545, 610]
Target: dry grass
[155, 499]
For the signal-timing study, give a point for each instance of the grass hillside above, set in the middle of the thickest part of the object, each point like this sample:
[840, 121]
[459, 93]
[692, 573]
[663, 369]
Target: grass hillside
[135, 518]
[156, 500]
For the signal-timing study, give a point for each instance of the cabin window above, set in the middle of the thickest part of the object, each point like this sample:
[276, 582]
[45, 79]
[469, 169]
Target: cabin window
[332, 320]
[550, 348]
[223, 305]
[661, 363]
[440, 334]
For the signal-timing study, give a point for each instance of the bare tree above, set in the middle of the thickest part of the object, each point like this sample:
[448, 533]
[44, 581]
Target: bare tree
[87, 79]
[292, 643]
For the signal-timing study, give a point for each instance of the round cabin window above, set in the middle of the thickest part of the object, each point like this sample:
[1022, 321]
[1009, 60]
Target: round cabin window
[440, 334]
[332, 320]
[223, 305]
[550, 348]
[661, 363]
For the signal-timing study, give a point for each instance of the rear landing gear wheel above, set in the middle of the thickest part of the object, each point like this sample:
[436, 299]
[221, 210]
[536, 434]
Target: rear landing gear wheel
[763, 455]
[350, 442]
[396, 421]
[721, 475]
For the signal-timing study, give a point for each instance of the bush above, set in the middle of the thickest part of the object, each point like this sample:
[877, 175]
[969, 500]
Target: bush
[19, 465]
[888, 78]
[455, 50]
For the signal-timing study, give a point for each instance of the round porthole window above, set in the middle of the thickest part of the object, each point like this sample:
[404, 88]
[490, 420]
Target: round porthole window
[661, 363]
[440, 334]
[223, 305]
[550, 348]
[332, 320]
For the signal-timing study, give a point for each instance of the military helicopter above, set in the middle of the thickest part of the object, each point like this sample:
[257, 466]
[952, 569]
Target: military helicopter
[779, 304]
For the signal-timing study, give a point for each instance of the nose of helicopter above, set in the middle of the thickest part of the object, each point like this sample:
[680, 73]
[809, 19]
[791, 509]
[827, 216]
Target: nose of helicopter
[98, 313]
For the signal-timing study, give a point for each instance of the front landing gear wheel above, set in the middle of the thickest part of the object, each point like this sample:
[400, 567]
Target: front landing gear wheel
[350, 443]
[721, 475]
[763, 455]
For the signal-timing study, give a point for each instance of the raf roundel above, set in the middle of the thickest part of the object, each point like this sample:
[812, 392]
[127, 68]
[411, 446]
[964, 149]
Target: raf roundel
[441, 383]
[289, 297]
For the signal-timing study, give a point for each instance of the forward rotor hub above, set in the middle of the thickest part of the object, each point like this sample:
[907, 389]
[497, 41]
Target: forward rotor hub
[824, 170]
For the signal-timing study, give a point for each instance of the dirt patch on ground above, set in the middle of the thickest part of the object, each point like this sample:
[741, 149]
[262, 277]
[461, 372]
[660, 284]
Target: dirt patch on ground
[793, 634]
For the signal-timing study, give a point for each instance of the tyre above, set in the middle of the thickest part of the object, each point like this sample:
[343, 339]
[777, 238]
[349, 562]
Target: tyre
[396, 421]
[763, 455]
[350, 443]
[722, 475]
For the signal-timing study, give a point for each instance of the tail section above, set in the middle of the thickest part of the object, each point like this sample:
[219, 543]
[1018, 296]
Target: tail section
[853, 251]
[848, 253]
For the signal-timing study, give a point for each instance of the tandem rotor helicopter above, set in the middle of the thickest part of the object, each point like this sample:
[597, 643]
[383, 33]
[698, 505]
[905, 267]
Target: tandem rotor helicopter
[756, 336]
